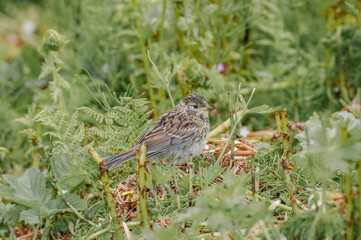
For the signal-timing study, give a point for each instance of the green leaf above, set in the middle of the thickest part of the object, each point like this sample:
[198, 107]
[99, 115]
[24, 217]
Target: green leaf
[54, 206]
[58, 205]
[61, 164]
[66, 172]
[9, 214]
[261, 109]
[211, 173]
[242, 101]
[162, 174]
[69, 182]
[29, 190]
[354, 10]
[224, 207]
[31, 216]
[349, 121]
[329, 144]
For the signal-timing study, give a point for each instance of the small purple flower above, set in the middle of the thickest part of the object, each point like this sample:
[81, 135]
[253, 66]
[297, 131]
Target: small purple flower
[221, 67]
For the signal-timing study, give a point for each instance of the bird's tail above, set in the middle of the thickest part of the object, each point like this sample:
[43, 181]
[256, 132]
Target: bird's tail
[113, 162]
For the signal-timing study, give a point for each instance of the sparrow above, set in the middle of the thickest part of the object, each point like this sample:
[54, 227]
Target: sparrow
[177, 134]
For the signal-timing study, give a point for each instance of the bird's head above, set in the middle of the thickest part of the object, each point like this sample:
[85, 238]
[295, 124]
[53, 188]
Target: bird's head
[195, 104]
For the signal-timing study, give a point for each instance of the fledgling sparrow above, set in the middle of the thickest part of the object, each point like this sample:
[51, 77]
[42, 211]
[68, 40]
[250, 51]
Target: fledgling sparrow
[177, 134]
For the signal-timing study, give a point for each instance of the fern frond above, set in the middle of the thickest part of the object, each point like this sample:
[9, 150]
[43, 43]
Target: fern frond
[99, 117]
[78, 135]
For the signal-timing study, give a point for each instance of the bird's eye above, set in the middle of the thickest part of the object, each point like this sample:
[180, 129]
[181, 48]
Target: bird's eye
[195, 106]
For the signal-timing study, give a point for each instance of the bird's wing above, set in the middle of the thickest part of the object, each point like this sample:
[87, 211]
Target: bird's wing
[166, 133]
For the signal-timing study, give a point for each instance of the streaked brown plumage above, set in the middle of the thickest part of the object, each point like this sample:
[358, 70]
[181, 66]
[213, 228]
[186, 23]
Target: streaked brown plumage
[182, 131]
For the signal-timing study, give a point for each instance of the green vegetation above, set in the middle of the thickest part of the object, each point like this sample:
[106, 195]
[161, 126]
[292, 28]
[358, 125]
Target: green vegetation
[82, 80]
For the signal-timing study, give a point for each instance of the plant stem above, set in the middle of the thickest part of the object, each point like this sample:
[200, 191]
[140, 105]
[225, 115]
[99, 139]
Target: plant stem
[71, 206]
[232, 120]
[242, 113]
[161, 46]
[176, 187]
[349, 206]
[145, 60]
[347, 190]
[196, 14]
[283, 131]
[131, 75]
[180, 35]
[142, 189]
[282, 206]
[35, 230]
[359, 195]
[95, 235]
[200, 174]
[253, 177]
[127, 232]
[190, 165]
[223, 126]
[161, 37]
[165, 77]
[134, 223]
[12, 233]
[104, 180]
[35, 140]
[47, 228]
[219, 28]
[154, 185]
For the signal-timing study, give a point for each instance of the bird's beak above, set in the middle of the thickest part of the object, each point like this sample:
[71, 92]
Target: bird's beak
[207, 107]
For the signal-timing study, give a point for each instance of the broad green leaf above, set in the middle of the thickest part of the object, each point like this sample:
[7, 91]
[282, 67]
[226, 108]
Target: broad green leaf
[28, 190]
[66, 172]
[329, 144]
[58, 205]
[61, 163]
[349, 121]
[31, 216]
[71, 181]
[313, 134]
[9, 214]
[54, 206]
